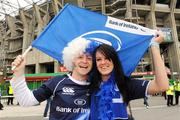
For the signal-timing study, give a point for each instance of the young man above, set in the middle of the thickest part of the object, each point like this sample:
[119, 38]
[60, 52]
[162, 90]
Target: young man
[69, 92]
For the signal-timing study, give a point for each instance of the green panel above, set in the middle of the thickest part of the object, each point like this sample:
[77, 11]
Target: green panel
[44, 74]
[4, 87]
[149, 77]
[34, 84]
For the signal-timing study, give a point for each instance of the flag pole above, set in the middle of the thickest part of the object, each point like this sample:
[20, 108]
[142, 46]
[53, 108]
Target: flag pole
[23, 55]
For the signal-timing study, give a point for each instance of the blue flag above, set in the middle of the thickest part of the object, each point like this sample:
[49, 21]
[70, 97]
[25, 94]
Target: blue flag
[130, 40]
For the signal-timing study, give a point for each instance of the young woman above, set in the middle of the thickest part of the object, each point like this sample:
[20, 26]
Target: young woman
[113, 90]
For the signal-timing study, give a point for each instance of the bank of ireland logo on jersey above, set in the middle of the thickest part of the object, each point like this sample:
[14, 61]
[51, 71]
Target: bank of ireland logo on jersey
[68, 91]
[102, 36]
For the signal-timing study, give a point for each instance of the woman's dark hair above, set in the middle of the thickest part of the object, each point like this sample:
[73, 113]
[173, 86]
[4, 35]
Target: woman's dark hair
[119, 76]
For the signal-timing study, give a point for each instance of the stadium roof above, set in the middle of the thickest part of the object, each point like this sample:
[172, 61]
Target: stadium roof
[11, 7]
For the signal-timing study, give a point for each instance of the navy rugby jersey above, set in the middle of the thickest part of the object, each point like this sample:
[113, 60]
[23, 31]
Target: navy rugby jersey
[70, 101]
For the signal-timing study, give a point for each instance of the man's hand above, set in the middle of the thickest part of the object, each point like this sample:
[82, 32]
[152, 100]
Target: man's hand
[19, 62]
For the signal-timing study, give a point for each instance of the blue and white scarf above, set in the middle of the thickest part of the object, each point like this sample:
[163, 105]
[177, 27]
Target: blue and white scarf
[105, 102]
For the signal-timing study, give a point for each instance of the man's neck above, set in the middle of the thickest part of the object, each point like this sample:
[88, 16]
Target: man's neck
[79, 77]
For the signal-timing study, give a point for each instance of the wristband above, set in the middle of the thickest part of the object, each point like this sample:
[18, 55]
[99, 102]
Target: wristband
[154, 43]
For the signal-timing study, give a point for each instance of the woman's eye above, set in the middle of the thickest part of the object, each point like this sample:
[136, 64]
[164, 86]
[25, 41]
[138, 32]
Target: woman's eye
[98, 59]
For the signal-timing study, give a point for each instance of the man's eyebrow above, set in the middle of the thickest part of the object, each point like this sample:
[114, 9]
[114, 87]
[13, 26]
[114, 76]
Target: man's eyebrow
[87, 53]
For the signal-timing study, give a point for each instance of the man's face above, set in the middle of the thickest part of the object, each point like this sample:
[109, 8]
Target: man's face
[83, 64]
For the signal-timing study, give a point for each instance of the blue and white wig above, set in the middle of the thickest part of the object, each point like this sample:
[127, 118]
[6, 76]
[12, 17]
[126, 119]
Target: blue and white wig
[76, 48]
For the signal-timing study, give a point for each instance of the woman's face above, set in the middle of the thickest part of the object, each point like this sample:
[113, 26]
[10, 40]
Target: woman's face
[104, 66]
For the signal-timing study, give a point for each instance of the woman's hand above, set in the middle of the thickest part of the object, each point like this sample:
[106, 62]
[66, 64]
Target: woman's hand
[159, 37]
